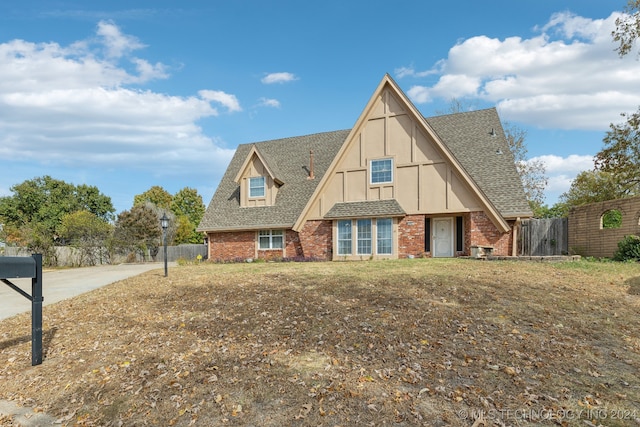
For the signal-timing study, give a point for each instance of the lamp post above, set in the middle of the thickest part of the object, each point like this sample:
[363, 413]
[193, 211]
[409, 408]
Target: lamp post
[164, 223]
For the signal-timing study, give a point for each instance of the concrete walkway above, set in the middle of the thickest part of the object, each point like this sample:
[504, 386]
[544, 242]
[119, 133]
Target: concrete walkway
[58, 285]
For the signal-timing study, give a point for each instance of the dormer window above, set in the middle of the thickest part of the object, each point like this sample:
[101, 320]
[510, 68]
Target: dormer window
[381, 171]
[256, 187]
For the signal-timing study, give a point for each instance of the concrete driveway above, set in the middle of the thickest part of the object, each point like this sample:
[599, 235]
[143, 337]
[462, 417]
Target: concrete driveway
[58, 285]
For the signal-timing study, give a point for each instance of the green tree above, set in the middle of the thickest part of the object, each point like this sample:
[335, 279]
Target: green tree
[88, 233]
[627, 29]
[156, 195]
[32, 215]
[590, 187]
[187, 204]
[558, 210]
[138, 230]
[621, 155]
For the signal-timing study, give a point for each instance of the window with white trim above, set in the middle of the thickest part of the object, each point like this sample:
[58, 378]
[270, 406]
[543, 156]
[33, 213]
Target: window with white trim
[381, 171]
[270, 239]
[256, 187]
[356, 236]
[364, 236]
[344, 237]
[384, 227]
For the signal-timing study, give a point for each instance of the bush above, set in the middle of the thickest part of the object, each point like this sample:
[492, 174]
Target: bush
[628, 249]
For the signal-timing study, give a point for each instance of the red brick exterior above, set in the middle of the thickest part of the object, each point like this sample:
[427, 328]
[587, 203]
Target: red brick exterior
[232, 245]
[315, 240]
[411, 236]
[482, 232]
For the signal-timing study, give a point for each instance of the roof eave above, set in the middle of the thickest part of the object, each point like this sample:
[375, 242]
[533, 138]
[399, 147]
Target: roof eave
[245, 228]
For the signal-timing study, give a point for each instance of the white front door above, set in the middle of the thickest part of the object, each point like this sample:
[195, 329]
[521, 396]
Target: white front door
[443, 237]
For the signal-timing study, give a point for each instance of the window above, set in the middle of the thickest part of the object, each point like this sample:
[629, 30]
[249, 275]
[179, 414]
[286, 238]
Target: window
[344, 237]
[364, 236]
[384, 226]
[361, 234]
[381, 171]
[270, 239]
[256, 187]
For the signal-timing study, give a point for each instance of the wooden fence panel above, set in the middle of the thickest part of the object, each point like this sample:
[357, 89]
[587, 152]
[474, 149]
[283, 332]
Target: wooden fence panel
[544, 237]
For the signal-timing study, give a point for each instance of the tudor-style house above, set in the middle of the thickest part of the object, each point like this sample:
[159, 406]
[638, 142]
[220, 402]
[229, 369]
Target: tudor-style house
[396, 185]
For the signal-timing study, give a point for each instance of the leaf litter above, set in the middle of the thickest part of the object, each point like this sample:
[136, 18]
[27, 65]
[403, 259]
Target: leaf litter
[402, 343]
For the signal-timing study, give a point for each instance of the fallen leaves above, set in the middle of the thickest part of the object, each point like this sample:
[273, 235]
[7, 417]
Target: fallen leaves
[331, 344]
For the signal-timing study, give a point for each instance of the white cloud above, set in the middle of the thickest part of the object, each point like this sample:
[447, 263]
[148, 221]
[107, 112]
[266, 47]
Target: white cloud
[116, 43]
[574, 163]
[278, 78]
[70, 106]
[568, 76]
[227, 100]
[561, 171]
[267, 102]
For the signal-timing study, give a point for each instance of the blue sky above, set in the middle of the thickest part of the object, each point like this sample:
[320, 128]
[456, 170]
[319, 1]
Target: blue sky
[125, 95]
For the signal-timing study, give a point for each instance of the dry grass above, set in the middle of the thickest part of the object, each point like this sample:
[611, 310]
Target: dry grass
[409, 342]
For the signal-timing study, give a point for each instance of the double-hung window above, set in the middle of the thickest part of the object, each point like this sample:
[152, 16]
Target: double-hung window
[344, 237]
[270, 239]
[383, 242]
[381, 171]
[364, 236]
[256, 187]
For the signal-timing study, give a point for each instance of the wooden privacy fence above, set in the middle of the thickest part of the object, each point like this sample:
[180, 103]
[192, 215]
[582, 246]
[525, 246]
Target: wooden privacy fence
[544, 237]
[67, 256]
[186, 252]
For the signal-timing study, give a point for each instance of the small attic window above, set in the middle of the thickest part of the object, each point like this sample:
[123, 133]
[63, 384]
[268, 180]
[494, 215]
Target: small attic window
[256, 187]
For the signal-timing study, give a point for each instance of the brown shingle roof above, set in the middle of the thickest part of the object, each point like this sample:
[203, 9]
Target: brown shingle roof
[368, 208]
[485, 156]
[290, 157]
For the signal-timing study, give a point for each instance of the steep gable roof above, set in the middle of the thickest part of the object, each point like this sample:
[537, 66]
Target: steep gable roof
[473, 144]
[388, 83]
[289, 160]
[477, 140]
[270, 165]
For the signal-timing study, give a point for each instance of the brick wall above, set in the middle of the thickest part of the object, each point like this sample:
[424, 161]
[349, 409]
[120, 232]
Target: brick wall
[232, 245]
[588, 238]
[315, 240]
[411, 236]
[483, 232]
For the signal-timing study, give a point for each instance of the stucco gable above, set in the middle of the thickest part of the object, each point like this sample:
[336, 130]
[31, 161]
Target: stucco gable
[368, 139]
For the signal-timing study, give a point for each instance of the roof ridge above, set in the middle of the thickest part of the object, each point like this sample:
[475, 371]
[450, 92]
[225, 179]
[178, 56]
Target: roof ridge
[288, 138]
[461, 113]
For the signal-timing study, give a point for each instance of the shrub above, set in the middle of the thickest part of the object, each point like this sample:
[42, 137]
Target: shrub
[628, 249]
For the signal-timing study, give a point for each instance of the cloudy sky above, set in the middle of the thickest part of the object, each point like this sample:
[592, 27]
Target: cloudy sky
[127, 95]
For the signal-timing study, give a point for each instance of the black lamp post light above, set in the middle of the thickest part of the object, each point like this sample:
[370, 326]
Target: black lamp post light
[164, 223]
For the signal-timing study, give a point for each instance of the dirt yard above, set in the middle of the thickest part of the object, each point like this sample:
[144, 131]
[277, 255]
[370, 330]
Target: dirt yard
[398, 343]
